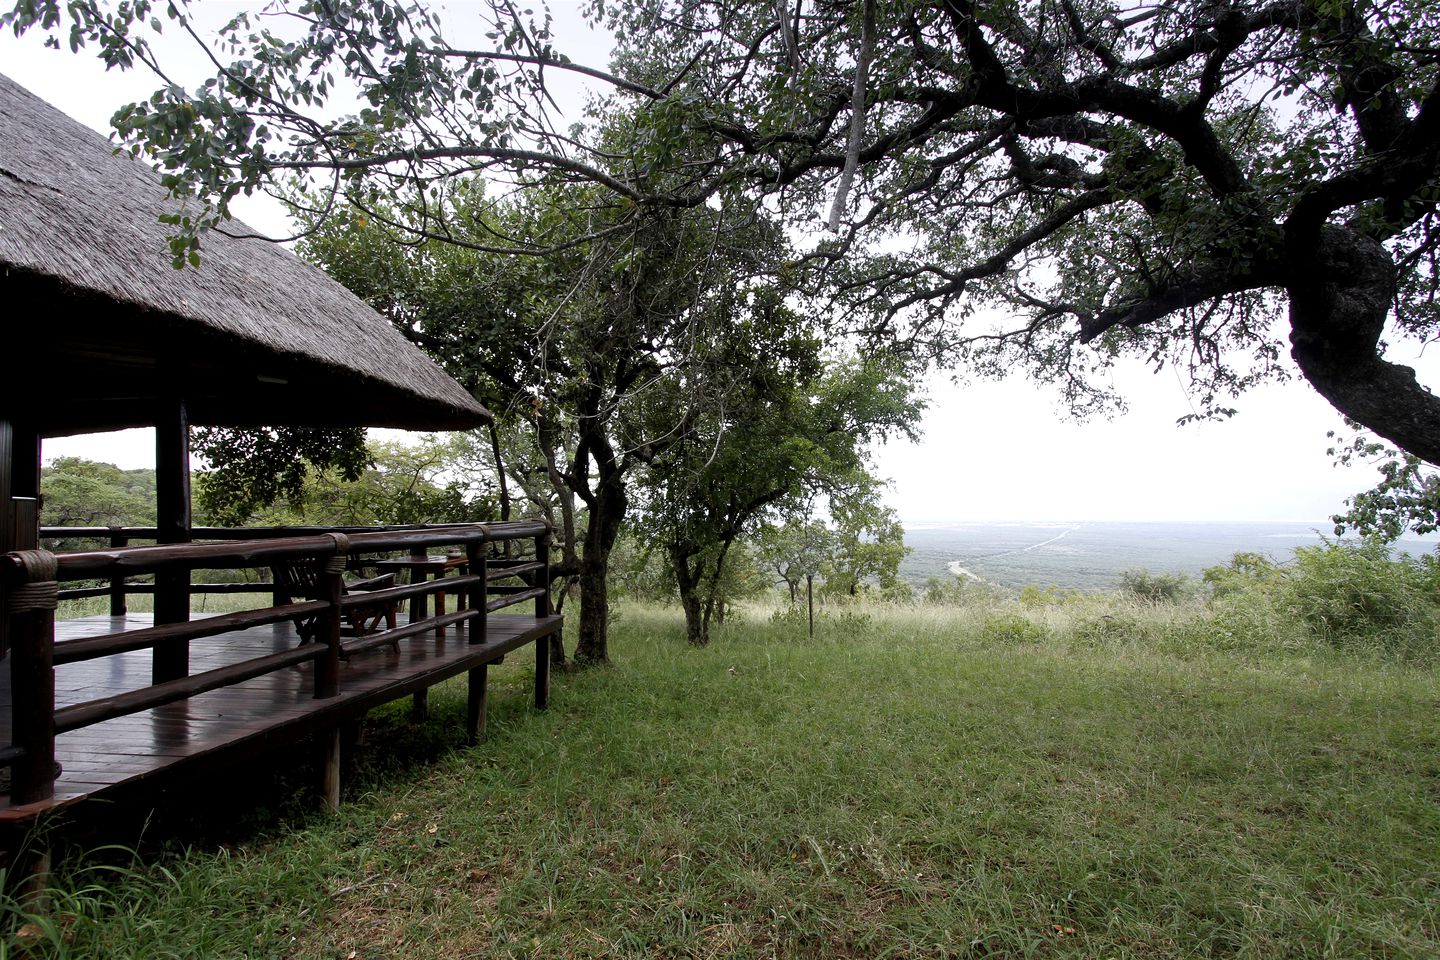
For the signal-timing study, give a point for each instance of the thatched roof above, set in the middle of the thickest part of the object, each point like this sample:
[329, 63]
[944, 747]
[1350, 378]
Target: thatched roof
[100, 324]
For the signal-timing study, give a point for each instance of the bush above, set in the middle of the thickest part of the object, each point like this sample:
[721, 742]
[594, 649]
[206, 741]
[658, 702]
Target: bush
[1244, 573]
[1154, 587]
[1348, 595]
[1013, 628]
[1051, 596]
[1106, 629]
[1359, 594]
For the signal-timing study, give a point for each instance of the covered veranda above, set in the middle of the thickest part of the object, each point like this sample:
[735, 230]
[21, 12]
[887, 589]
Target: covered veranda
[106, 334]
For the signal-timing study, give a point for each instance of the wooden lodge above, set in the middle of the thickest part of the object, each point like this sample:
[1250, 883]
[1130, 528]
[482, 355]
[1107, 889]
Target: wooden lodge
[103, 333]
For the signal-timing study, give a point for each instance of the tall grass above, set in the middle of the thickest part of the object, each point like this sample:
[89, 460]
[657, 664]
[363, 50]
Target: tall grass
[1082, 778]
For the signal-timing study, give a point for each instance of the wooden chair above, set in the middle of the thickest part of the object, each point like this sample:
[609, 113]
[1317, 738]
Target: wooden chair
[302, 581]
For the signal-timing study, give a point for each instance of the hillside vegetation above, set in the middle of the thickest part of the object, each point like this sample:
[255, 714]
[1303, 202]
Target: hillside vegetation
[1057, 776]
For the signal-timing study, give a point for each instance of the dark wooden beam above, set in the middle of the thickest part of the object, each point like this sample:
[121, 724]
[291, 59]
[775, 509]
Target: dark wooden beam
[172, 523]
[19, 481]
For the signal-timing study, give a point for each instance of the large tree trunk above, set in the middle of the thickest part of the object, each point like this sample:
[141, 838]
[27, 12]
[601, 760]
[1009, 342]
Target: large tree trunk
[687, 584]
[1342, 285]
[607, 510]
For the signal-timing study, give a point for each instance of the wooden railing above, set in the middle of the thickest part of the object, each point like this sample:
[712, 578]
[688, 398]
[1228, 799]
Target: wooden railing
[32, 582]
[119, 588]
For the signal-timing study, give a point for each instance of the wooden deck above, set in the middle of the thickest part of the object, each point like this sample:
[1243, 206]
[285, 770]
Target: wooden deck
[134, 751]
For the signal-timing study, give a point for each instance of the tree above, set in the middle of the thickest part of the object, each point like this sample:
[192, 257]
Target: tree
[76, 492]
[601, 350]
[794, 428]
[1146, 180]
[869, 544]
[1159, 181]
[1407, 496]
[248, 470]
[437, 480]
[795, 549]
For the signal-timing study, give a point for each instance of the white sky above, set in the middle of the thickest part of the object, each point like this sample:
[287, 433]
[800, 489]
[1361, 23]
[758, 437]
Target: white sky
[996, 451]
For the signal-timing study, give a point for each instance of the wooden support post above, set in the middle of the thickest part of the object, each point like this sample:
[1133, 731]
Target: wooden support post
[476, 553]
[542, 609]
[332, 587]
[542, 578]
[19, 483]
[330, 773]
[172, 523]
[542, 672]
[118, 604]
[477, 696]
[420, 705]
[476, 704]
[30, 609]
[35, 892]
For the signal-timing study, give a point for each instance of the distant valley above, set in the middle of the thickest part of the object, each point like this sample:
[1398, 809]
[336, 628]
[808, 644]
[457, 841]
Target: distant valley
[1092, 555]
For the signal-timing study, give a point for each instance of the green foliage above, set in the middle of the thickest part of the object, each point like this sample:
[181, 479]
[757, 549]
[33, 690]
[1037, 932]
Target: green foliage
[944, 591]
[1013, 629]
[1407, 497]
[1362, 595]
[794, 549]
[1033, 595]
[1349, 595]
[1246, 572]
[82, 493]
[1119, 627]
[1154, 587]
[636, 357]
[248, 470]
[439, 479]
[868, 546]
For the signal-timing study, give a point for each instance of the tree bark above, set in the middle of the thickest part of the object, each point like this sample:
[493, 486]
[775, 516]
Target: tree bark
[1342, 285]
[687, 584]
[606, 511]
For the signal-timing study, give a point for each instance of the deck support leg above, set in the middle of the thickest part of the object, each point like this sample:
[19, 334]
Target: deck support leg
[542, 612]
[420, 705]
[542, 672]
[35, 890]
[330, 776]
[352, 735]
[476, 703]
[171, 658]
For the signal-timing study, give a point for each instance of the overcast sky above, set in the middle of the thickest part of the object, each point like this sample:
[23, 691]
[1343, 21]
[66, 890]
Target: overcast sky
[998, 451]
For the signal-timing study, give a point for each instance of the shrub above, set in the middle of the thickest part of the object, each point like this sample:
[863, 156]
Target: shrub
[1154, 587]
[1013, 628]
[1051, 596]
[1106, 629]
[1244, 573]
[1349, 595]
[1359, 594]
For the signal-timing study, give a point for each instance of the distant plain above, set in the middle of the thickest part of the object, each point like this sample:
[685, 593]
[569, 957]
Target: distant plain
[1090, 556]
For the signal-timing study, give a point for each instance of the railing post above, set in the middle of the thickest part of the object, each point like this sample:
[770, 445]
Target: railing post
[542, 577]
[327, 667]
[30, 609]
[477, 553]
[171, 658]
[118, 606]
[542, 609]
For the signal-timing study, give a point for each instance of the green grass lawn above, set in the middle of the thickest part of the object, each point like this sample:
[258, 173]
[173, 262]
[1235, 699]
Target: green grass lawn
[911, 783]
